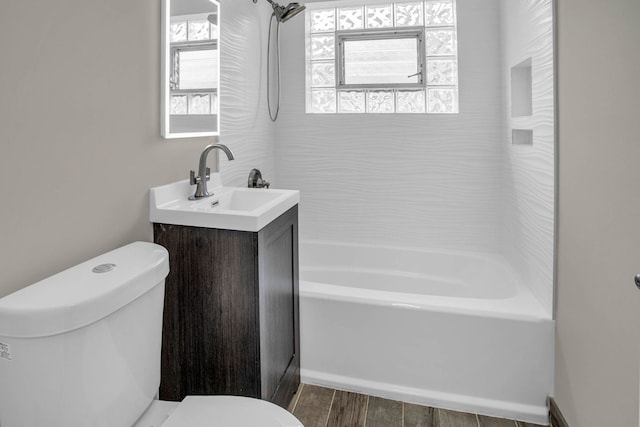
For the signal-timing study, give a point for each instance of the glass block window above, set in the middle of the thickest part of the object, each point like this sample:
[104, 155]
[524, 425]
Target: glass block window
[194, 65]
[382, 58]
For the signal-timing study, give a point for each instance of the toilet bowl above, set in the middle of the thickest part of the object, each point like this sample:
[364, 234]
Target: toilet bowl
[82, 349]
[217, 411]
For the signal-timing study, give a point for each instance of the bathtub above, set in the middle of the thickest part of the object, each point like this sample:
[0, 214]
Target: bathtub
[440, 328]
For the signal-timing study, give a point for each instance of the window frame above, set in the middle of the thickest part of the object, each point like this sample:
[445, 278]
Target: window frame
[194, 46]
[417, 33]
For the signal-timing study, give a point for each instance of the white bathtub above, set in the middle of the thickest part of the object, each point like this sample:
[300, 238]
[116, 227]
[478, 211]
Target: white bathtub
[445, 329]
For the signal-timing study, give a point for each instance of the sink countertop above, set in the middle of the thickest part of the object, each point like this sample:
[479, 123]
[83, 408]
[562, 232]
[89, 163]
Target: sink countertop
[238, 208]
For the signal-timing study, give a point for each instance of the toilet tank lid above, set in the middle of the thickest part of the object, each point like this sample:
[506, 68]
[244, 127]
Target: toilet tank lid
[85, 293]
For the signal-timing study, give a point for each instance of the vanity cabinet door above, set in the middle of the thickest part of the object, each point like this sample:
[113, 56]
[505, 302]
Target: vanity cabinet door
[278, 287]
[210, 342]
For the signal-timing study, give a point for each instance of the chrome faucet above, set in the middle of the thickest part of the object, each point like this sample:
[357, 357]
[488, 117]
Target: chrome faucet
[204, 172]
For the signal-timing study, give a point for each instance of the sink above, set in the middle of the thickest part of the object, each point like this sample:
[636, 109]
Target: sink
[245, 199]
[230, 208]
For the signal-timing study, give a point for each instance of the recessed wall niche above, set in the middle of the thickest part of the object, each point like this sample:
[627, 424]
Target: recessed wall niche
[521, 89]
[522, 136]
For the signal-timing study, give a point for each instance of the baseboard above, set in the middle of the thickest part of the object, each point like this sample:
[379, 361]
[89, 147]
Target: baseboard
[555, 416]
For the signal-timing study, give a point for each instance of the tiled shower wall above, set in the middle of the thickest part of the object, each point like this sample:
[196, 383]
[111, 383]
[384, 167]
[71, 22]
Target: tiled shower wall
[528, 238]
[246, 127]
[440, 181]
[408, 180]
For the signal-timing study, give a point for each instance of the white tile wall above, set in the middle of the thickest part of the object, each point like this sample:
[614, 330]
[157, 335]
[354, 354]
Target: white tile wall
[411, 180]
[245, 124]
[528, 242]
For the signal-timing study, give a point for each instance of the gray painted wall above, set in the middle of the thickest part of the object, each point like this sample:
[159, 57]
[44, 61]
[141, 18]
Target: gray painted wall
[80, 141]
[598, 306]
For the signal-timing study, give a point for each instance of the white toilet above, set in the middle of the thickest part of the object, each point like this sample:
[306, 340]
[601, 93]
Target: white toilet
[82, 349]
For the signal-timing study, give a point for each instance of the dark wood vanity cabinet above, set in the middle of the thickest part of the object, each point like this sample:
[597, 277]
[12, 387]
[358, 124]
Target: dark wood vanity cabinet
[231, 317]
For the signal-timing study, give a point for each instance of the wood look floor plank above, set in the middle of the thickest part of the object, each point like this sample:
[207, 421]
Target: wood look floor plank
[419, 416]
[347, 410]
[294, 400]
[318, 406]
[384, 413]
[312, 408]
[456, 419]
[495, 422]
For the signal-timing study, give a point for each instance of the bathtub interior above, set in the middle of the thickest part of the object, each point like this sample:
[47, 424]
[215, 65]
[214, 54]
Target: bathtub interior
[428, 278]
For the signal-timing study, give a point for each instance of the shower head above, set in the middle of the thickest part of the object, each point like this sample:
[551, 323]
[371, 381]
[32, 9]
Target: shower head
[288, 12]
[284, 13]
[213, 18]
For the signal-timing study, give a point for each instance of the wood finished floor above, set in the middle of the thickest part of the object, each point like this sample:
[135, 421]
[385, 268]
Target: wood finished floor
[324, 407]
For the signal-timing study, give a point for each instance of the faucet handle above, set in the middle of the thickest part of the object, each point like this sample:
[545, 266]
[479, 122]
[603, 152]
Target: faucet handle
[263, 184]
[193, 179]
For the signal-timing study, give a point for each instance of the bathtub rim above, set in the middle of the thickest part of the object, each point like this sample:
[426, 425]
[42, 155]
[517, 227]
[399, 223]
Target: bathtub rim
[500, 309]
[521, 306]
[490, 256]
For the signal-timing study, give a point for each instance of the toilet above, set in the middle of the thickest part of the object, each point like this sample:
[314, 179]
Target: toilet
[82, 349]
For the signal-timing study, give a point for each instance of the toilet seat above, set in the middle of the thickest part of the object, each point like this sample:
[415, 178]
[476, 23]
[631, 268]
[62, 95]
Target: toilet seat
[229, 411]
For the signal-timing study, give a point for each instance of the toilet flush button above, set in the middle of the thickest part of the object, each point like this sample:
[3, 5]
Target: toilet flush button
[104, 268]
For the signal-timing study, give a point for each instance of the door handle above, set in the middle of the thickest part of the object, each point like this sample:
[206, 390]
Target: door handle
[637, 280]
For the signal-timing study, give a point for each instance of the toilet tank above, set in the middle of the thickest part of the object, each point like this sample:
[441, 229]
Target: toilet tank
[82, 348]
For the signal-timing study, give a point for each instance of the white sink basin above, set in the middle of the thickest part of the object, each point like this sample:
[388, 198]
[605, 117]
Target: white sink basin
[230, 208]
[245, 199]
